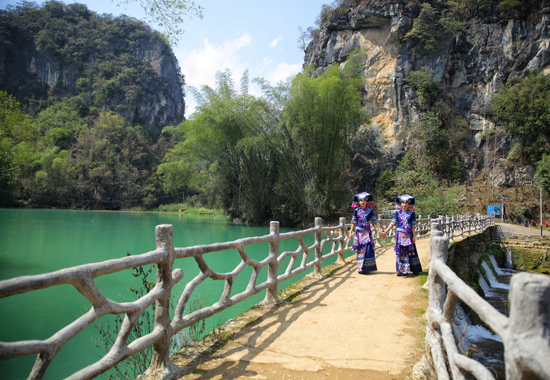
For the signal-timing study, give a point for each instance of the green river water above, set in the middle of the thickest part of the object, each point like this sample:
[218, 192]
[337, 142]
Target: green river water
[41, 241]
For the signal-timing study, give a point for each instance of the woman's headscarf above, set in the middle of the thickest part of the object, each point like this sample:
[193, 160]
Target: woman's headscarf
[360, 196]
[404, 198]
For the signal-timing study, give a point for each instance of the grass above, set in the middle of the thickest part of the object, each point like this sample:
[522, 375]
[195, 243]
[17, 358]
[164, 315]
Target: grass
[188, 210]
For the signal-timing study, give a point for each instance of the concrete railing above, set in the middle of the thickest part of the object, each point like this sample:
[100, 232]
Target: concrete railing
[164, 256]
[524, 333]
[458, 225]
[82, 278]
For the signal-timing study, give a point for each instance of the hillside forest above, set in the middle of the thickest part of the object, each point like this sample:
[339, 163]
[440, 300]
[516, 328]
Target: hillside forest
[282, 156]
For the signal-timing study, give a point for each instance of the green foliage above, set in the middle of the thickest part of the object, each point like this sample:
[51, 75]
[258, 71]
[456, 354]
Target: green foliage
[426, 86]
[100, 48]
[17, 145]
[434, 24]
[408, 178]
[386, 185]
[229, 144]
[440, 130]
[136, 364]
[523, 106]
[169, 15]
[71, 150]
[443, 201]
[280, 156]
[337, 8]
[434, 140]
[472, 11]
[320, 114]
[425, 31]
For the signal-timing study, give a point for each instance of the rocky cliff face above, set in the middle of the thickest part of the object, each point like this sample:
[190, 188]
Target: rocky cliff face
[160, 101]
[470, 66]
[162, 107]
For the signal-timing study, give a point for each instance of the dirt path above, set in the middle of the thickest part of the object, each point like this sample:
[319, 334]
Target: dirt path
[344, 326]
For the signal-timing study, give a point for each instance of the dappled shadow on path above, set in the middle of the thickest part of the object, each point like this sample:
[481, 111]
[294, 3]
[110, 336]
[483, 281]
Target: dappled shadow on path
[245, 347]
[251, 340]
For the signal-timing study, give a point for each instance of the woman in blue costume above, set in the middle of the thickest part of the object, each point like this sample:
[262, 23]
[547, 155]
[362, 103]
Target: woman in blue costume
[361, 232]
[406, 256]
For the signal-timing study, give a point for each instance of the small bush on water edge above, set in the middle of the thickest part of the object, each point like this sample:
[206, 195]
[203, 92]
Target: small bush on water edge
[187, 210]
[138, 363]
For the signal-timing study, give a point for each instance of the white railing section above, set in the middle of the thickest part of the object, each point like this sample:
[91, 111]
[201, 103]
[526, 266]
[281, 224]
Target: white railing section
[458, 225]
[524, 333]
[82, 278]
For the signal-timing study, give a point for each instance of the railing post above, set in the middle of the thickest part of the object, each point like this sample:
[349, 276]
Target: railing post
[438, 252]
[160, 362]
[527, 347]
[341, 237]
[271, 296]
[318, 251]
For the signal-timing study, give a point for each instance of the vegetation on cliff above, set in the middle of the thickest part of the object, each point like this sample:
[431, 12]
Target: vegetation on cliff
[83, 141]
[434, 132]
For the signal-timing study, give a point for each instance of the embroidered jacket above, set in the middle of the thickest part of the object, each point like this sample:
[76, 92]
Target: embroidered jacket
[362, 217]
[405, 220]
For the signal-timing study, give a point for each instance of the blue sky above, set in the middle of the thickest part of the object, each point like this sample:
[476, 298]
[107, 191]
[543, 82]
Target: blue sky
[261, 36]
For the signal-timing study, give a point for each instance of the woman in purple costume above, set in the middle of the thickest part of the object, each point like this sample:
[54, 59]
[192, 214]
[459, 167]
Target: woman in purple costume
[361, 233]
[406, 256]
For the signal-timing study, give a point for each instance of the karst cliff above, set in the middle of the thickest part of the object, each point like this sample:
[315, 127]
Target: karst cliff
[101, 62]
[487, 50]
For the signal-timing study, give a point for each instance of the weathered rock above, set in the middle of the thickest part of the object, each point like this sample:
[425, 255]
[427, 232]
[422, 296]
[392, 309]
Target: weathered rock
[160, 102]
[470, 66]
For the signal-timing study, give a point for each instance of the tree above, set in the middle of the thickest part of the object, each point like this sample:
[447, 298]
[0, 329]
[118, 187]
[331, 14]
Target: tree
[320, 114]
[435, 22]
[523, 106]
[168, 14]
[386, 185]
[112, 164]
[424, 32]
[17, 144]
[231, 139]
[178, 173]
[426, 85]
[279, 156]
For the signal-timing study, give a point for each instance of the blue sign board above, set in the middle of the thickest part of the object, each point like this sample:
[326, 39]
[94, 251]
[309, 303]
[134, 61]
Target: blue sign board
[494, 210]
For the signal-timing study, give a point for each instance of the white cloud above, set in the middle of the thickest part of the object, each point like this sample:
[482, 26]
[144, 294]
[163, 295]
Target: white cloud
[275, 42]
[282, 72]
[199, 66]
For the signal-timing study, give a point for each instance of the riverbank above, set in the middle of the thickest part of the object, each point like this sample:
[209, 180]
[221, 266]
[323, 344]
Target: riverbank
[342, 326]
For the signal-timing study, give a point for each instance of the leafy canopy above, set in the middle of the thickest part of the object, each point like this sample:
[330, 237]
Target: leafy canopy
[523, 106]
[168, 15]
[280, 156]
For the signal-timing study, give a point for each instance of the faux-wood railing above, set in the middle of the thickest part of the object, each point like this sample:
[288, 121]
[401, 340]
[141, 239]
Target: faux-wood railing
[82, 278]
[525, 333]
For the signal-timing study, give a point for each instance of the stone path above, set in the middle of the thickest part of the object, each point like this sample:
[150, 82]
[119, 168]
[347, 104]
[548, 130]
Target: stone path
[344, 326]
[515, 229]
